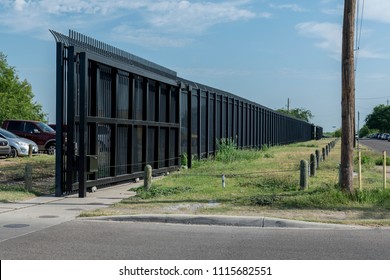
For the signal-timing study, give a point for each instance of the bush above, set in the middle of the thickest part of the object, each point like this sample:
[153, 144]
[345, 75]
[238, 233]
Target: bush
[366, 160]
[374, 196]
[227, 151]
[379, 161]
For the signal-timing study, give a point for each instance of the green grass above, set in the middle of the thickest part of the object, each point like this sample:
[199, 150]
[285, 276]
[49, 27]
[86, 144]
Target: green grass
[9, 193]
[256, 181]
[12, 175]
[267, 179]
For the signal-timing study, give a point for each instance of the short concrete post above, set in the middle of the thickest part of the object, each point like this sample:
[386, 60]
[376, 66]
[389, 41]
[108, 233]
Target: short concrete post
[323, 154]
[30, 150]
[313, 165]
[304, 178]
[223, 181]
[28, 177]
[148, 177]
[318, 158]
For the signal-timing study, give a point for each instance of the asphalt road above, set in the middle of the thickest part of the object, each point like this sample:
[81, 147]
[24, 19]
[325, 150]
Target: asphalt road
[107, 240]
[378, 145]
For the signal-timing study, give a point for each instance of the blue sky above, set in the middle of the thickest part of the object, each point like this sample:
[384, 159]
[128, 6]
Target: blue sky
[265, 51]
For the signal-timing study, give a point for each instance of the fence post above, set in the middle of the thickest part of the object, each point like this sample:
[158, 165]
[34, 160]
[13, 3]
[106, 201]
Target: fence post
[323, 154]
[313, 165]
[28, 177]
[148, 177]
[318, 158]
[223, 181]
[304, 180]
[30, 150]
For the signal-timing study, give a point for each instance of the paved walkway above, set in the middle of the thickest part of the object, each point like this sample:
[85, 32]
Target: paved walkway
[23, 217]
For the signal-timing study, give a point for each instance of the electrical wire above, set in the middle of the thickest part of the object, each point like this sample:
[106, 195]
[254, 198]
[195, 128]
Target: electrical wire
[358, 29]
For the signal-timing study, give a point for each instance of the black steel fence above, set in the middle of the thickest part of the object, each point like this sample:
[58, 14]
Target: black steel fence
[120, 112]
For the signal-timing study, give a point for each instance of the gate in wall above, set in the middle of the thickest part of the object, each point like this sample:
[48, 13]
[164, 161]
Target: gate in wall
[115, 113]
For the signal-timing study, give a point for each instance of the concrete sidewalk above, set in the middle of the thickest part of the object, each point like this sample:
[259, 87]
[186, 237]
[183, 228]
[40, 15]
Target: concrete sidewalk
[23, 217]
[32, 215]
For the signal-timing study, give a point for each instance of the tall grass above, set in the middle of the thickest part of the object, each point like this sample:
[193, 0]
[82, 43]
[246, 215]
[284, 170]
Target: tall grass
[227, 151]
[268, 177]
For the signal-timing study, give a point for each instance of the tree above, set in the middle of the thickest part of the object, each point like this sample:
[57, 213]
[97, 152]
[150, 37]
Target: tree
[16, 97]
[337, 133]
[365, 130]
[379, 118]
[299, 113]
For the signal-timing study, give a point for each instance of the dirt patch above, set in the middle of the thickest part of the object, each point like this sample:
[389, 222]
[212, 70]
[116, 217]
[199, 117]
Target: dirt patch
[379, 169]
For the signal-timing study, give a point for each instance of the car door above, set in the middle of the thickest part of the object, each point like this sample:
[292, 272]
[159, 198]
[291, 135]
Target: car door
[33, 133]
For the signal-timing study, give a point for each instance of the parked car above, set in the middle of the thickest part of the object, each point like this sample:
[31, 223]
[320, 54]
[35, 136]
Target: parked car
[37, 131]
[19, 146]
[5, 149]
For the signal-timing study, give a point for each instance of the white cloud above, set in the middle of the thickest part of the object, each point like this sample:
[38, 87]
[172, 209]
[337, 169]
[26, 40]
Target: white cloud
[292, 7]
[195, 17]
[19, 5]
[374, 10]
[377, 10]
[155, 19]
[328, 34]
[147, 38]
[334, 11]
[329, 37]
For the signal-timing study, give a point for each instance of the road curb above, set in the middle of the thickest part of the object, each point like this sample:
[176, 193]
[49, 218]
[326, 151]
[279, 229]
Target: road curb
[239, 221]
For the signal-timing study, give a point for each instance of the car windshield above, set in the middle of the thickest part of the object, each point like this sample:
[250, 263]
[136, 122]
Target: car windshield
[45, 128]
[7, 134]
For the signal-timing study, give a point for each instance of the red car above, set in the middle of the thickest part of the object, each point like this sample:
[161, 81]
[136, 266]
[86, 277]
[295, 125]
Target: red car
[37, 131]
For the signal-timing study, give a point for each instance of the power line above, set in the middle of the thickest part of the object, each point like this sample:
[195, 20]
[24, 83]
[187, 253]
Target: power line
[371, 98]
[359, 27]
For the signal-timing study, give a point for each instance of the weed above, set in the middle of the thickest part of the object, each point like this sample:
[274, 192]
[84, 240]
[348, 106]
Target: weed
[184, 159]
[379, 161]
[227, 151]
[159, 191]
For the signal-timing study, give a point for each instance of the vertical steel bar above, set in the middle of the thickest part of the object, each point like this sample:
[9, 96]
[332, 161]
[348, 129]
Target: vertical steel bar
[83, 145]
[71, 167]
[59, 118]
[199, 128]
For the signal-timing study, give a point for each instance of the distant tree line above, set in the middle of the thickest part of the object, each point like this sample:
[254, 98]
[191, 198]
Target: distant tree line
[16, 96]
[377, 121]
[299, 113]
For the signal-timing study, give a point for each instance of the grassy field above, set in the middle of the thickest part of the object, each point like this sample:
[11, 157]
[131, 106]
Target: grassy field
[12, 177]
[266, 183]
[257, 182]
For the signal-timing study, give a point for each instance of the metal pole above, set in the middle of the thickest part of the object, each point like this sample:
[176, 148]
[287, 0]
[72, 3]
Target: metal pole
[360, 170]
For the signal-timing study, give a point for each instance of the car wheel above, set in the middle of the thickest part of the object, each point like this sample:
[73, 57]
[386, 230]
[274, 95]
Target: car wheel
[13, 153]
[51, 150]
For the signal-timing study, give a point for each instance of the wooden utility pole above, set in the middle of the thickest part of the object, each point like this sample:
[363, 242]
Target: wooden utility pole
[348, 96]
[288, 105]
